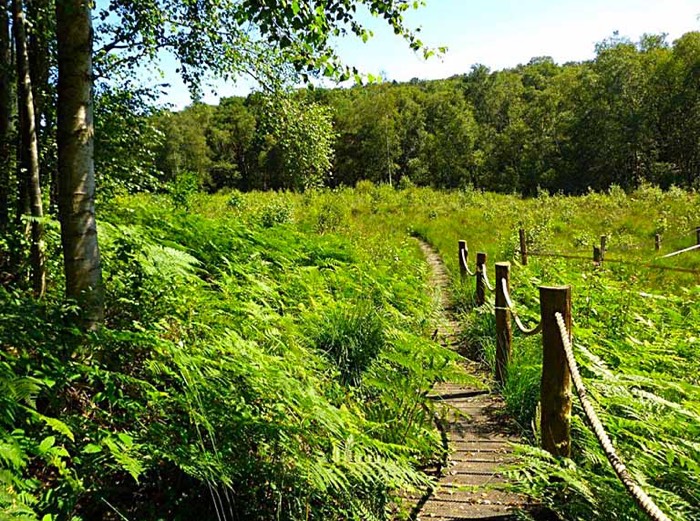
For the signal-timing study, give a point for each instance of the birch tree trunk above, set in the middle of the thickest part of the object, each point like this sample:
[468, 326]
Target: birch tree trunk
[29, 148]
[76, 169]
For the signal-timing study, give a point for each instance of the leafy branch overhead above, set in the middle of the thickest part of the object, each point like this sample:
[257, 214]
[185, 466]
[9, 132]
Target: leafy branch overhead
[263, 38]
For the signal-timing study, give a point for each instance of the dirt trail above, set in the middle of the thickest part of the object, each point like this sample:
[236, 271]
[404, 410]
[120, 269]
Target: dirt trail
[471, 486]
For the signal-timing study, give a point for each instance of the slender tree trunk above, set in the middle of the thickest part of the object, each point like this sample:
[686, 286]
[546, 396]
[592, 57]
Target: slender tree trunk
[22, 205]
[41, 59]
[22, 208]
[5, 115]
[30, 149]
[76, 168]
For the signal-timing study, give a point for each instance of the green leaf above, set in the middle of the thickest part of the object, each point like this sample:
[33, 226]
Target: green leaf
[46, 444]
[92, 448]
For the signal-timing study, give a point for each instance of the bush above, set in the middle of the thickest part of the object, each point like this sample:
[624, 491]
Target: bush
[182, 188]
[236, 200]
[330, 217]
[275, 214]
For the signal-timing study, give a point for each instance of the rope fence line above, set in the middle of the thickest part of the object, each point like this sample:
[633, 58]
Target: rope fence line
[620, 261]
[510, 306]
[684, 250]
[679, 235]
[600, 251]
[641, 498]
[464, 263]
[486, 278]
[559, 367]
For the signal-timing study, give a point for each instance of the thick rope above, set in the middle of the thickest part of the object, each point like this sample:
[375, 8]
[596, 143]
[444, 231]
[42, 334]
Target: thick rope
[464, 263]
[641, 498]
[614, 261]
[684, 250]
[511, 306]
[486, 278]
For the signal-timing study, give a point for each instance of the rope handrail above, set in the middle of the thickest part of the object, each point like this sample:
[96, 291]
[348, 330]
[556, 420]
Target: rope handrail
[486, 278]
[511, 307]
[614, 261]
[463, 257]
[641, 498]
[684, 250]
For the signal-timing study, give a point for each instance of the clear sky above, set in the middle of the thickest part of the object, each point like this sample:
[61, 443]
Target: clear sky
[496, 33]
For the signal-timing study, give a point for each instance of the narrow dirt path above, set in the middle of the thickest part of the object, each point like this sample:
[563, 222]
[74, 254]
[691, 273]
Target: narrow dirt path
[471, 486]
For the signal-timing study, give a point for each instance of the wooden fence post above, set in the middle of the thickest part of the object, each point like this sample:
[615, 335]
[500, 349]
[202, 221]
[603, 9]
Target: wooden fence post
[504, 332]
[597, 257]
[462, 259]
[555, 391]
[603, 246]
[480, 286]
[657, 241]
[523, 247]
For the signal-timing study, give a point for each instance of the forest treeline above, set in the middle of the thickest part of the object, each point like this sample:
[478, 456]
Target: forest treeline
[630, 115]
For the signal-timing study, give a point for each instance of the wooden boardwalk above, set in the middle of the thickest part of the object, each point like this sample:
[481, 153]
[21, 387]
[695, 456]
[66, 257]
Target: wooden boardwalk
[471, 485]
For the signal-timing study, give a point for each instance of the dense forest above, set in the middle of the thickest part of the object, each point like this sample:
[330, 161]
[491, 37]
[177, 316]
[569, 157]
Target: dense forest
[629, 116]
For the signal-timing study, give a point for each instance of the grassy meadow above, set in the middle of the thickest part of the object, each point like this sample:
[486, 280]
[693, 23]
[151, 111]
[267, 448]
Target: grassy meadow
[267, 355]
[251, 365]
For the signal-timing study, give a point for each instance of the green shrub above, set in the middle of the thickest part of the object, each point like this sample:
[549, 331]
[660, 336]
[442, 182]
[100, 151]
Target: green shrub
[330, 217]
[274, 214]
[182, 188]
[236, 200]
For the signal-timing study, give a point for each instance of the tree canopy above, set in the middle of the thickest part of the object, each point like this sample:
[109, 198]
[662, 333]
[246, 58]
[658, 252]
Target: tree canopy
[270, 40]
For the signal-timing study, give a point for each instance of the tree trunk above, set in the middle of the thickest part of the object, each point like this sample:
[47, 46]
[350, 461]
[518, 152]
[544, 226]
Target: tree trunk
[76, 169]
[30, 148]
[40, 62]
[5, 115]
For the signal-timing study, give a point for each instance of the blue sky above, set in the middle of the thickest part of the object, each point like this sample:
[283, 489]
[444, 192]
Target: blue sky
[496, 33]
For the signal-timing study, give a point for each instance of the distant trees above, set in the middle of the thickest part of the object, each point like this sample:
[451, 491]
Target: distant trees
[295, 143]
[626, 117]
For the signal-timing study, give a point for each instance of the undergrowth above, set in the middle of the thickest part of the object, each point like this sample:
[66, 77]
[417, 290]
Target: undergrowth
[636, 330]
[252, 366]
[267, 356]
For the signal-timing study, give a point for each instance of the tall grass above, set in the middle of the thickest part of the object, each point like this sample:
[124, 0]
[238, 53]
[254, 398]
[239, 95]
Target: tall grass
[267, 356]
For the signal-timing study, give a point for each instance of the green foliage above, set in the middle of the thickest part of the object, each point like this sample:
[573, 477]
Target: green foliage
[182, 188]
[236, 200]
[272, 42]
[330, 217]
[297, 143]
[351, 338]
[222, 369]
[635, 329]
[275, 213]
[625, 118]
[126, 141]
[281, 366]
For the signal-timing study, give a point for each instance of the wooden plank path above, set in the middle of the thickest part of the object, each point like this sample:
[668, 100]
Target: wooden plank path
[471, 486]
